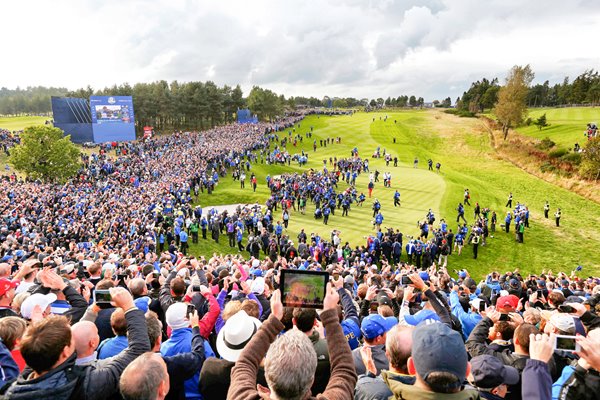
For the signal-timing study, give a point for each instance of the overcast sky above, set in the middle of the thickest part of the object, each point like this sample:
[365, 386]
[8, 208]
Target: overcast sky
[359, 48]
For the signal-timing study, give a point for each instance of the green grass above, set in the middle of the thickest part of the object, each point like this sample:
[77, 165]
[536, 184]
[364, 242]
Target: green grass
[467, 161]
[19, 123]
[567, 125]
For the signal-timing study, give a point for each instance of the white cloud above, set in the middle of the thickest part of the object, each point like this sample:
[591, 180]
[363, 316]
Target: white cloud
[430, 48]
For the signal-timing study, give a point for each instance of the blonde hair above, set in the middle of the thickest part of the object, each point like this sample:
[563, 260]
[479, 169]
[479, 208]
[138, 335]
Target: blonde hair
[231, 309]
[12, 329]
[18, 300]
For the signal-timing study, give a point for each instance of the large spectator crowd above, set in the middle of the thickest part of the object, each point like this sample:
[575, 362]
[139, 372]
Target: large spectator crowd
[99, 299]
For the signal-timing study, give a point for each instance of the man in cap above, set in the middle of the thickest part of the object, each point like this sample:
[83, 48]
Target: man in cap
[374, 329]
[7, 294]
[490, 377]
[468, 319]
[398, 346]
[440, 363]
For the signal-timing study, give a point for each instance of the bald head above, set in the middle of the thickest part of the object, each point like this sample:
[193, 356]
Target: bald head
[398, 347]
[4, 270]
[85, 336]
[145, 378]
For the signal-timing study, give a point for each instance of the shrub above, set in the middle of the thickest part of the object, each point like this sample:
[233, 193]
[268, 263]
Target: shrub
[545, 144]
[573, 158]
[528, 121]
[547, 167]
[461, 113]
[558, 153]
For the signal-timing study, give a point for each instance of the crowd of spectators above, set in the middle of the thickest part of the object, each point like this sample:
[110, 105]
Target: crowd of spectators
[182, 327]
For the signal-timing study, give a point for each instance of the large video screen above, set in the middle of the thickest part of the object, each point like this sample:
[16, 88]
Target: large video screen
[112, 118]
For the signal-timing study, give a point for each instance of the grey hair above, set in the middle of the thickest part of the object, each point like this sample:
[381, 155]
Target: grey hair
[141, 379]
[136, 286]
[290, 365]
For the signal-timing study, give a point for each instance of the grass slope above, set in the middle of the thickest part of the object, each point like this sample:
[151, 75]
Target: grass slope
[567, 125]
[19, 123]
[468, 160]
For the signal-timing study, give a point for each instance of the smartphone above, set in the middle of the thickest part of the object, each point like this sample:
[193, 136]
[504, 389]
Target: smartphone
[196, 288]
[540, 293]
[564, 308]
[481, 306]
[406, 280]
[305, 289]
[122, 277]
[102, 297]
[504, 317]
[190, 310]
[566, 343]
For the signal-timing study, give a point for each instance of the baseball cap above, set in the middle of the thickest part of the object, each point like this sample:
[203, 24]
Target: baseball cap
[375, 325]
[462, 274]
[6, 285]
[437, 348]
[176, 316]
[563, 322]
[510, 301]
[424, 275]
[514, 283]
[258, 285]
[36, 299]
[541, 282]
[489, 372]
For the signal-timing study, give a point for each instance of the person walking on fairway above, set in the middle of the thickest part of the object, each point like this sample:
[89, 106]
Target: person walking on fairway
[546, 209]
[397, 199]
[416, 163]
[509, 201]
[475, 242]
[461, 213]
[557, 215]
[507, 221]
[467, 197]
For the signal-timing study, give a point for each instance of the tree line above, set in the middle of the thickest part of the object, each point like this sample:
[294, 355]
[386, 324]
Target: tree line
[31, 100]
[585, 89]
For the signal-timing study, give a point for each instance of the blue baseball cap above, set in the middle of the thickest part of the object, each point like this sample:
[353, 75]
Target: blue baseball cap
[437, 348]
[424, 275]
[462, 274]
[375, 325]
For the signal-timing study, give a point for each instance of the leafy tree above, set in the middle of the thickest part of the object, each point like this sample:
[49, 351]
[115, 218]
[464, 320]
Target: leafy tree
[45, 154]
[590, 161]
[447, 102]
[511, 108]
[412, 101]
[264, 103]
[541, 122]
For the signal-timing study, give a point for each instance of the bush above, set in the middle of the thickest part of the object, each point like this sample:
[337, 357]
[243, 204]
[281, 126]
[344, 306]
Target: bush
[547, 167]
[545, 144]
[528, 121]
[461, 113]
[573, 158]
[558, 153]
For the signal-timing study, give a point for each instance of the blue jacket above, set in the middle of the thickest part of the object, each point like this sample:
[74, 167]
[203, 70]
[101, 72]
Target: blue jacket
[184, 366]
[536, 381]
[9, 369]
[181, 342]
[111, 347]
[350, 324]
[468, 320]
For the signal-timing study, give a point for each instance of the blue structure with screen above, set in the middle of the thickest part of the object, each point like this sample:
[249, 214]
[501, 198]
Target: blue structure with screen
[112, 118]
[245, 117]
[72, 115]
